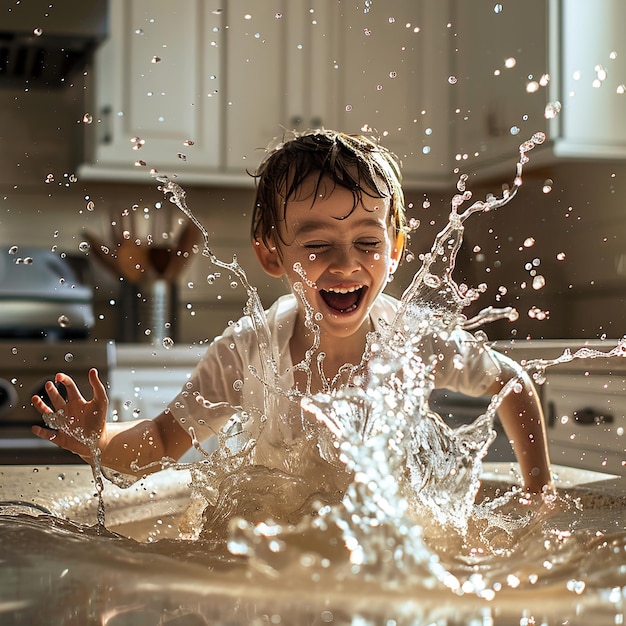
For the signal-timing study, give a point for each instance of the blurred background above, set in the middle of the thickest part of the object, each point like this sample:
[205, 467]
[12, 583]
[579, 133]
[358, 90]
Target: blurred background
[97, 98]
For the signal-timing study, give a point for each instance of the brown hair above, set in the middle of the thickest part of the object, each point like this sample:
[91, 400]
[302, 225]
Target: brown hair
[355, 162]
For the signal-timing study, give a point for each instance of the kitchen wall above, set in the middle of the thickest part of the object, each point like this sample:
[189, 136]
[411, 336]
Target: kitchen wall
[580, 219]
[566, 225]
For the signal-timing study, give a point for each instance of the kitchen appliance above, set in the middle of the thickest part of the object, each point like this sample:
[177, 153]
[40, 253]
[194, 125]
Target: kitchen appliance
[43, 43]
[25, 366]
[41, 296]
[46, 314]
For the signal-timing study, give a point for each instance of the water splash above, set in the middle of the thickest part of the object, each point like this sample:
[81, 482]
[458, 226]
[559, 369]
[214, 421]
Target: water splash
[377, 484]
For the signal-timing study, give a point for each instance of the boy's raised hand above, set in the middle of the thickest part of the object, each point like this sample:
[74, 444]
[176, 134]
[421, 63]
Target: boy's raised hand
[86, 419]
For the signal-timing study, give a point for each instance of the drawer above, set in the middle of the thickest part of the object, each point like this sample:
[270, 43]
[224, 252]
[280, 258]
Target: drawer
[586, 417]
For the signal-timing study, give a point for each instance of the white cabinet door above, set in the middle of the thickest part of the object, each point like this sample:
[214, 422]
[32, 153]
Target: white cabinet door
[502, 72]
[279, 68]
[296, 65]
[394, 77]
[586, 420]
[144, 392]
[592, 69]
[158, 88]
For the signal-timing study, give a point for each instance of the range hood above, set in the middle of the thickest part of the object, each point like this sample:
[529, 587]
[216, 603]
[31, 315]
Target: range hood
[43, 43]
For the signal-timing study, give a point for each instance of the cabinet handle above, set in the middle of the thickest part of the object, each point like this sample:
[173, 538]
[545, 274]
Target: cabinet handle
[589, 416]
[106, 128]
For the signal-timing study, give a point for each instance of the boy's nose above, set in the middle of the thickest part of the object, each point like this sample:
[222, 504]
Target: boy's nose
[344, 260]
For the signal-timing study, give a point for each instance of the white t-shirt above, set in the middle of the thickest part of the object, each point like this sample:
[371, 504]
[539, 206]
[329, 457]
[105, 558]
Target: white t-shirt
[223, 384]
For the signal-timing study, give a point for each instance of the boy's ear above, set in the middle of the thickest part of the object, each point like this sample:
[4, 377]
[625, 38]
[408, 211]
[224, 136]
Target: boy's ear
[396, 253]
[268, 258]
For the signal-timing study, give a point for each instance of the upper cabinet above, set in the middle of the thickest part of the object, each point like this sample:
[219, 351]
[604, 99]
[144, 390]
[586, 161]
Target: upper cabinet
[555, 66]
[500, 62]
[231, 76]
[590, 56]
[158, 80]
[199, 88]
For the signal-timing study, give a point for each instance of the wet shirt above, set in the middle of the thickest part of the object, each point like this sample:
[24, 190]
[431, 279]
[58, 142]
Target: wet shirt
[229, 377]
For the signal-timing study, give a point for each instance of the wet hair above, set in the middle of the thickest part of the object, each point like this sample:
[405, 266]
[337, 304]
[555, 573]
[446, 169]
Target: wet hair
[355, 162]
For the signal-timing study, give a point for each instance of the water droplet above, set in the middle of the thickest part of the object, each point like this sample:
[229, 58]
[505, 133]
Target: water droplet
[539, 282]
[452, 80]
[13, 249]
[552, 110]
[529, 242]
[38, 32]
[238, 385]
[168, 343]
[181, 156]
[393, 74]
[430, 280]
[90, 205]
[547, 185]
[156, 59]
[367, 32]
[83, 246]
[87, 118]
[69, 357]
[189, 142]
[348, 107]
[63, 321]
[560, 256]
[497, 8]
[510, 63]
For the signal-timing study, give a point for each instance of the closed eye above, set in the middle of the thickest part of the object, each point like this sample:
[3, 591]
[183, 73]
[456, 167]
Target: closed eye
[366, 244]
[317, 245]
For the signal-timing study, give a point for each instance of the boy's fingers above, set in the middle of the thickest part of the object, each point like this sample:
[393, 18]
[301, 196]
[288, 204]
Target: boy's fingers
[40, 405]
[73, 392]
[55, 397]
[99, 391]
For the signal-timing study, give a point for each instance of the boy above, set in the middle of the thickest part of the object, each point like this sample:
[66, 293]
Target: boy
[329, 217]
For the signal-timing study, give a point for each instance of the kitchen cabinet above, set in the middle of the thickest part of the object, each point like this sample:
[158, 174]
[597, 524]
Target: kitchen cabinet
[587, 421]
[395, 78]
[553, 67]
[332, 64]
[591, 64]
[231, 77]
[445, 83]
[157, 90]
[144, 379]
[279, 63]
[584, 403]
[501, 65]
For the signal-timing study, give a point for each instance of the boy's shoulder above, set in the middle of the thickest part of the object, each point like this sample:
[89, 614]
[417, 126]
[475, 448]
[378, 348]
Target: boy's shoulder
[384, 308]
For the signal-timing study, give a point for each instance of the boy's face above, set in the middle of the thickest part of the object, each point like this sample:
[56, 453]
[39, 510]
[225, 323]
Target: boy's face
[346, 255]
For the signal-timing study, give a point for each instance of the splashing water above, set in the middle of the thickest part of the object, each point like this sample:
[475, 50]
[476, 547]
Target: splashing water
[378, 492]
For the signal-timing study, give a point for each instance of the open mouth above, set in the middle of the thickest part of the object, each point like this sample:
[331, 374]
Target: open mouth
[343, 300]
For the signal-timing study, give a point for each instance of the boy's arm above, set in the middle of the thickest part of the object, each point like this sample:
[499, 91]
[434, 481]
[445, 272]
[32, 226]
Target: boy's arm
[121, 444]
[523, 421]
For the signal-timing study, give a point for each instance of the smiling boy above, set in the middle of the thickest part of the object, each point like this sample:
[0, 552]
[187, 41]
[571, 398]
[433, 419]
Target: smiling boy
[329, 217]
